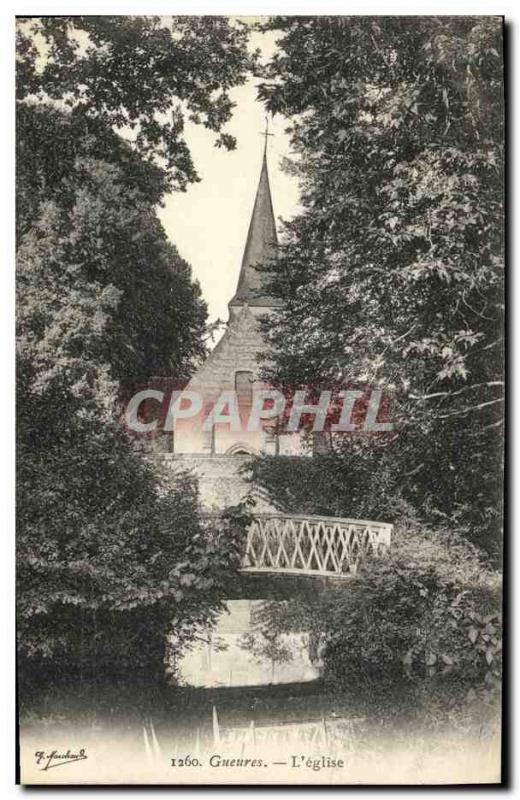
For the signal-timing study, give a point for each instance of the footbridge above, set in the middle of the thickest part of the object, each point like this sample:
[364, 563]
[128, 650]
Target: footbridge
[310, 545]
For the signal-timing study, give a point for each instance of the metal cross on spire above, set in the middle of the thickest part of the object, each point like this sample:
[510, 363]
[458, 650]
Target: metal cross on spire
[266, 134]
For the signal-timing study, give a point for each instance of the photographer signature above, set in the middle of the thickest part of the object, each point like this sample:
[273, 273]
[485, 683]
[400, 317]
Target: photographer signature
[55, 759]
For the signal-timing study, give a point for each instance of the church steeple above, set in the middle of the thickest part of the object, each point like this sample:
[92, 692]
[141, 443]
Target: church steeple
[260, 247]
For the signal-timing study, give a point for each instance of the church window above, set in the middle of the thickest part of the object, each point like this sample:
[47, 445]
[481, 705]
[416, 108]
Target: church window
[244, 387]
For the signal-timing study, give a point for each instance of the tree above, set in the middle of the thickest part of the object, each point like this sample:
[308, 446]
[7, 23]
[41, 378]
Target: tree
[263, 643]
[138, 75]
[87, 226]
[392, 275]
[109, 552]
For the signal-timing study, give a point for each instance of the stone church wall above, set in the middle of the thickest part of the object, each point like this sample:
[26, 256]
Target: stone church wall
[222, 481]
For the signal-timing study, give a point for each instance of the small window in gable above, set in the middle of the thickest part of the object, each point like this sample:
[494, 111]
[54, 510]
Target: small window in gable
[244, 387]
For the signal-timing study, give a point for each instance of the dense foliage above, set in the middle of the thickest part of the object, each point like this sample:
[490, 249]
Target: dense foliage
[429, 608]
[109, 552]
[92, 253]
[392, 275]
[101, 589]
[138, 75]
[328, 484]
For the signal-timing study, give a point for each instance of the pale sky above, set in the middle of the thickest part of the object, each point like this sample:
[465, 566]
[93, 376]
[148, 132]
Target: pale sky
[208, 223]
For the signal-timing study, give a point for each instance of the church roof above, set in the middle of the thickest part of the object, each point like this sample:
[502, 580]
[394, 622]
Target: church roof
[260, 247]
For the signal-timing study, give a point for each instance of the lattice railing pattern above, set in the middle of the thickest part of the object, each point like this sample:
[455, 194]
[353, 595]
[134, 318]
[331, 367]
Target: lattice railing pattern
[312, 545]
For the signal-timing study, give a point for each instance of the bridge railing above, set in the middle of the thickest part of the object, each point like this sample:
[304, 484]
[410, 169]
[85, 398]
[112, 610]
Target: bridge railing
[312, 545]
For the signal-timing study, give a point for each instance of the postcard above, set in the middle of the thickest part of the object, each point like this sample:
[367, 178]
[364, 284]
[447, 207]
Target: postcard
[260, 415]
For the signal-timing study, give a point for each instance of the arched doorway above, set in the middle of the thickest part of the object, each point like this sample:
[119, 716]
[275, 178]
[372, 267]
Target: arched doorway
[241, 449]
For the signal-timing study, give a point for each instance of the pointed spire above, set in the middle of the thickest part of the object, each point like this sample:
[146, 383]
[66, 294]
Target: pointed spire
[260, 247]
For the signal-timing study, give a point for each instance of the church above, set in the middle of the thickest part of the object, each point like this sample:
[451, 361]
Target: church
[217, 452]
[205, 426]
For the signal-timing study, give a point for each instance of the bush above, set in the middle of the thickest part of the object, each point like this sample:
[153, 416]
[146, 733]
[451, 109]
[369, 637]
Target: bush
[429, 608]
[100, 605]
[327, 483]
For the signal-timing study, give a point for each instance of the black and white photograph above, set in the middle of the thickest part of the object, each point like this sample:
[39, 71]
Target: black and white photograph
[260, 399]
